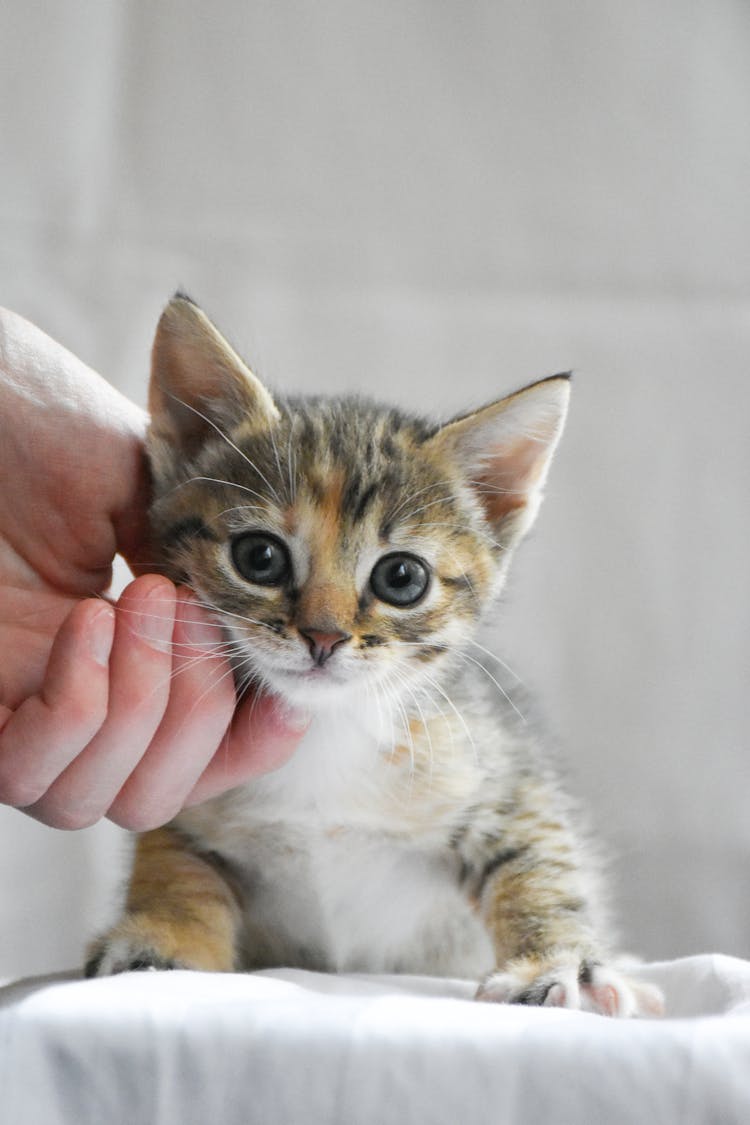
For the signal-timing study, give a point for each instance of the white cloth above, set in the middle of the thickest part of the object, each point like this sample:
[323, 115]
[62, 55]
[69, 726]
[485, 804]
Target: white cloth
[288, 1047]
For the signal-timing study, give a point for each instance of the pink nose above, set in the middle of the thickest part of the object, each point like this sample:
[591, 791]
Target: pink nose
[322, 644]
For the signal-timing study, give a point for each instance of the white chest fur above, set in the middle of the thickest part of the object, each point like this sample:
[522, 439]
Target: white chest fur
[343, 853]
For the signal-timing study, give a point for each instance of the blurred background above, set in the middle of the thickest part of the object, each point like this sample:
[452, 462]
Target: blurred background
[436, 203]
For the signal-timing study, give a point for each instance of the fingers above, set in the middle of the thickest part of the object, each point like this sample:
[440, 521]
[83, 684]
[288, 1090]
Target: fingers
[137, 717]
[41, 738]
[140, 667]
[263, 736]
[200, 708]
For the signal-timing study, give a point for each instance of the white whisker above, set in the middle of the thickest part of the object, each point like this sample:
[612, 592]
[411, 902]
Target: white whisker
[227, 483]
[276, 458]
[494, 656]
[430, 750]
[404, 720]
[458, 653]
[436, 687]
[413, 496]
[228, 440]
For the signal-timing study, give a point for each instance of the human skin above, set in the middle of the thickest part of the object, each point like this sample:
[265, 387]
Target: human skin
[121, 709]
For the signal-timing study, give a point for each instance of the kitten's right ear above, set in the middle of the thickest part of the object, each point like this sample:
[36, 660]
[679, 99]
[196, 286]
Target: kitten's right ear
[198, 382]
[505, 450]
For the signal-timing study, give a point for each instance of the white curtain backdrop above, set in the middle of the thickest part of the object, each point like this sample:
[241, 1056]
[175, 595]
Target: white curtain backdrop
[437, 203]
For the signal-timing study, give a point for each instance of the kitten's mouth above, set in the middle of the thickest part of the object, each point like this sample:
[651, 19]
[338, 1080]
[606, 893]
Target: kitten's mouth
[322, 674]
[310, 687]
[313, 674]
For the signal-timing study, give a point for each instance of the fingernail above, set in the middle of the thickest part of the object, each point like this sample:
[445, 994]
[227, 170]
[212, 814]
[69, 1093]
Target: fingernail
[278, 716]
[151, 623]
[296, 719]
[100, 634]
[196, 626]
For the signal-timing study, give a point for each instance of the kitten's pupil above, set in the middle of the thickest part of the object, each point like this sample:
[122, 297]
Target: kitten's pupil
[399, 576]
[261, 559]
[400, 580]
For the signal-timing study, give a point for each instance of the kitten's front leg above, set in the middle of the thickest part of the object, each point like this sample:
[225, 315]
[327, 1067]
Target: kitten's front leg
[180, 913]
[537, 905]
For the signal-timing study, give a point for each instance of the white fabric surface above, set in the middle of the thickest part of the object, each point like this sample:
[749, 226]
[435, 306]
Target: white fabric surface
[287, 1047]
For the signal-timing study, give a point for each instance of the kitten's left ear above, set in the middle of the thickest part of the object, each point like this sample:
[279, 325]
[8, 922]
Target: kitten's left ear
[198, 382]
[505, 451]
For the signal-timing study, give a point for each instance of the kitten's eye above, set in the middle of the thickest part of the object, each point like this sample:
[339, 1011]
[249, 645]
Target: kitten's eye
[400, 579]
[261, 559]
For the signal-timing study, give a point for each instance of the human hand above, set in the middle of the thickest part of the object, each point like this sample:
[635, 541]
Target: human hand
[125, 710]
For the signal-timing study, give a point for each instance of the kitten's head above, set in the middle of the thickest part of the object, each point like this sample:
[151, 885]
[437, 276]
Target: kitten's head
[340, 543]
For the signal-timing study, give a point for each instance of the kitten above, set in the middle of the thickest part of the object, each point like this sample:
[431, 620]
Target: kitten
[350, 552]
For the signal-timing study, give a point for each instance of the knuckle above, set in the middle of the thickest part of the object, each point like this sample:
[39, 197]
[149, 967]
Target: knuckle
[20, 792]
[83, 715]
[135, 817]
[69, 818]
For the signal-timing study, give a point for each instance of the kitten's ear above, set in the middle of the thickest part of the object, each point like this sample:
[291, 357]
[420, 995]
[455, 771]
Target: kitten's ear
[198, 382]
[505, 451]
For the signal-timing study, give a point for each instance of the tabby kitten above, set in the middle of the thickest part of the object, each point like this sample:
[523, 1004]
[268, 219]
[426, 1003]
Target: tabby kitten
[350, 552]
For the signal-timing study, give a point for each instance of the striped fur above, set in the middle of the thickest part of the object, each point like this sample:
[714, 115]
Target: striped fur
[418, 827]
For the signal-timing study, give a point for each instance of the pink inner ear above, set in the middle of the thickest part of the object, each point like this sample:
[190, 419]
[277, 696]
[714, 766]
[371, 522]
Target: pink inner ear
[505, 449]
[510, 474]
[196, 376]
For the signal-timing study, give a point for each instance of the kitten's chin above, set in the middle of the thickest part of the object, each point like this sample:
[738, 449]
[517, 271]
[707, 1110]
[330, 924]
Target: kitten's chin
[312, 692]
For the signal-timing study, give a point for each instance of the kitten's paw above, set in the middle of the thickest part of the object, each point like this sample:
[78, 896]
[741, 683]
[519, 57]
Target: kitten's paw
[143, 940]
[586, 985]
[113, 954]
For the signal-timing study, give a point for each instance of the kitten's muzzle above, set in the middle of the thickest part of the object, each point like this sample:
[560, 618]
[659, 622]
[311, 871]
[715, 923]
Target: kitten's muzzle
[322, 644]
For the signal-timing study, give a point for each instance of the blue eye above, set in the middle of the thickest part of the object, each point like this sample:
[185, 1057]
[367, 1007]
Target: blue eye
[261, 559]
[400, 579]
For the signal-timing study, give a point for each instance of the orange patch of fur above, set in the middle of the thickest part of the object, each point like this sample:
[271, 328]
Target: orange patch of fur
[179, 907]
